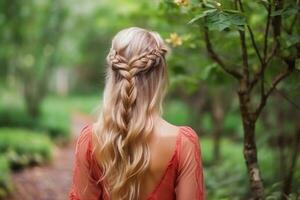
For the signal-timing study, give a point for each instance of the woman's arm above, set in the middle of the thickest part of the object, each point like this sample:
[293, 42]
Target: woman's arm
[83, 186]
[190, 181]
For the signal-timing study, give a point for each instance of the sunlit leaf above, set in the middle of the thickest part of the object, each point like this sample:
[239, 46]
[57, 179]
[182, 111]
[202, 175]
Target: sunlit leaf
[212, 4]
[222, 20]
[200, 16]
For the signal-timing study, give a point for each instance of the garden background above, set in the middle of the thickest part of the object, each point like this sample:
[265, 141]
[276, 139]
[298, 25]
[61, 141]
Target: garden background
[234, 74]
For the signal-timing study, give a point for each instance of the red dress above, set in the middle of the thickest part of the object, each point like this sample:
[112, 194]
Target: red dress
[182, 179]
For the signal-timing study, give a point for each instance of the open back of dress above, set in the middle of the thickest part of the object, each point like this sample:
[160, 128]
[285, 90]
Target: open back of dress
[181, 179]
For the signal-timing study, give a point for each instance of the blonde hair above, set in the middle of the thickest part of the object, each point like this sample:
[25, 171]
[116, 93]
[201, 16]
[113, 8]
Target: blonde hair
[136, 82]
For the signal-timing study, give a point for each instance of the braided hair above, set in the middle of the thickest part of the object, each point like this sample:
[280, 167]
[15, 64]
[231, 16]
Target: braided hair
[128, 71]
[135, 86]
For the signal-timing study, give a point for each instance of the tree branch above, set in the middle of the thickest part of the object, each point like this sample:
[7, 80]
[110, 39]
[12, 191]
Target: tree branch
[290, 29]
[214, 56]
[244, 57]
[271, 54]
[288, 99]
[276, 22]
[263, 63]
[239, 4]
[267, 31]
[244, 50]
[268, 59]
[266, 56]
[254, 44]
[285, 73]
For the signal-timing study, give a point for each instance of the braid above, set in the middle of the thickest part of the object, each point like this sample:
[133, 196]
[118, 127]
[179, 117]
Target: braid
[128, 92]
[128, 71]
[126, 148]
[148, 60]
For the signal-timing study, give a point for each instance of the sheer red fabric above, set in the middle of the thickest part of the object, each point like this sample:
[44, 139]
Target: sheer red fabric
[182, 179]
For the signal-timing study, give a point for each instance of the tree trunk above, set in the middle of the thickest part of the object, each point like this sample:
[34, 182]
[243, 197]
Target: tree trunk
[250, 151]
[34, 93]
[32, 101]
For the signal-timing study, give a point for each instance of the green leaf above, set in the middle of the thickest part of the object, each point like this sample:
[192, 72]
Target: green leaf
[207, 71]
[211, 4]
[232, 11]
[222, 20]
[200, 16]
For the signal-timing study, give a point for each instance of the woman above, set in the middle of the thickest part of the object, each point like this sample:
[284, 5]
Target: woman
[131, 152]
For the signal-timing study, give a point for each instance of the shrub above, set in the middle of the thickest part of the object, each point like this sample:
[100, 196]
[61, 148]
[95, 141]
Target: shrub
[55, 119]
[23, 147]
[15, 116]
[50, 123]
[56, 127]
[5, 178]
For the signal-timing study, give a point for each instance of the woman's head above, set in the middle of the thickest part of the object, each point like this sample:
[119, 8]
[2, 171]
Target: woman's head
[136, 80]
[137, 57]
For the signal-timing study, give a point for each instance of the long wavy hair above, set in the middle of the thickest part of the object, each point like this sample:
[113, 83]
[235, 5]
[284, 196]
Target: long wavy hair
[136, 82]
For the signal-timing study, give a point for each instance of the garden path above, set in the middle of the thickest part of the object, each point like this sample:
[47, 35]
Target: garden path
[52, 181]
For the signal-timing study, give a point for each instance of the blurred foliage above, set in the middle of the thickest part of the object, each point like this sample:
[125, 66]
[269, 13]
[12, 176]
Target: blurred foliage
[226, 179]
[55, 119]
[36, 150]
[171, 110]
[30, 37]
[5, 179]
[15, 153]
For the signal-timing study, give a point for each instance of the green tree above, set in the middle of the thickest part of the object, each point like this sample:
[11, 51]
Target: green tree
[265, 48]
[30, 36]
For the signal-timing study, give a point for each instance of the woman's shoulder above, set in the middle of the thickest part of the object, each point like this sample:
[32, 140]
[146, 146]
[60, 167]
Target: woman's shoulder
[189, 133]
[85, 132]
[84, 139]
[189, 146]
[189, 140]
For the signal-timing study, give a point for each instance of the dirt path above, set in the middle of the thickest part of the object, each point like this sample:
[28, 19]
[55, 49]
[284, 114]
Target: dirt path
[50, 182]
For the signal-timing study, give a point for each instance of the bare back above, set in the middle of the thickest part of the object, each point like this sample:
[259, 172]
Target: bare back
[162, 147]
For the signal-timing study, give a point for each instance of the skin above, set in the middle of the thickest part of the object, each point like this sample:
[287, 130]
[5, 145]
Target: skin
[162, 144]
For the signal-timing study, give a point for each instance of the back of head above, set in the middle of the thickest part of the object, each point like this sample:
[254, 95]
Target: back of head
[136, 80]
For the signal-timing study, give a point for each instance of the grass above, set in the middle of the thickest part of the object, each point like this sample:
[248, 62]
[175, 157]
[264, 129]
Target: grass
[5, 178]
[20, 148]
[24, 147]
[56, 104]
[55, 119]
[57, 112]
